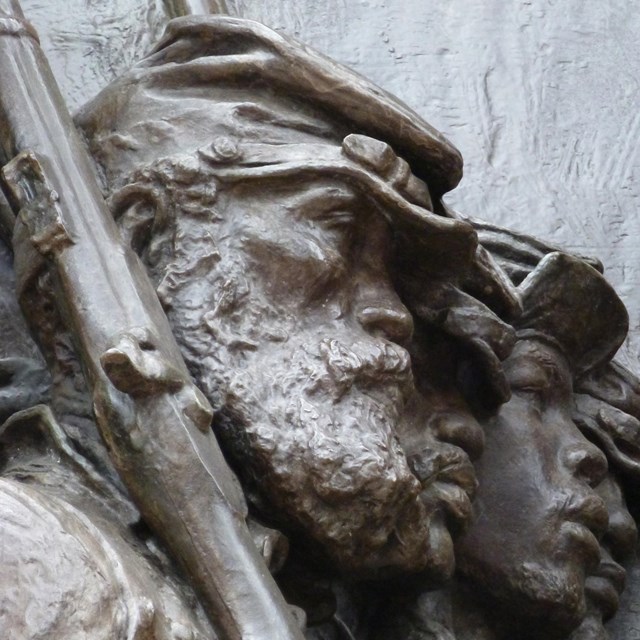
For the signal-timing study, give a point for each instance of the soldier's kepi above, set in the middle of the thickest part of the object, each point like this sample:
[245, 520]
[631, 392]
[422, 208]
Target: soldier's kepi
[253, 105]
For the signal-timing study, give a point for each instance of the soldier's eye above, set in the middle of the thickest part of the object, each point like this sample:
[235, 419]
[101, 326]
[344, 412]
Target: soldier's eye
[336, 219]
[531, 388]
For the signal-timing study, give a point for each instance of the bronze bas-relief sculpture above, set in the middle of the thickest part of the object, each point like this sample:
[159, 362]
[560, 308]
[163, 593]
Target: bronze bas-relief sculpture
[353, 348]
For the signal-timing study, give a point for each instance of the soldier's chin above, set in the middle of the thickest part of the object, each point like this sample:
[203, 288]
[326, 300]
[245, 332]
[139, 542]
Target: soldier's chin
[545, 596]
[438, 562]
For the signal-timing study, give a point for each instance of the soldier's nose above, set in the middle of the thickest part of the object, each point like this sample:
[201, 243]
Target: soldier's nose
[586, 462]
[388, 317]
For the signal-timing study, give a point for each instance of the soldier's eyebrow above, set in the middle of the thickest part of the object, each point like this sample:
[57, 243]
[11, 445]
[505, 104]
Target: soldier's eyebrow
[340, 194]
[318, 201]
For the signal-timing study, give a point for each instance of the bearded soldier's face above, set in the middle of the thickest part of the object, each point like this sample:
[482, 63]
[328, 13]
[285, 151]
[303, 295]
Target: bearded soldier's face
[285, 310]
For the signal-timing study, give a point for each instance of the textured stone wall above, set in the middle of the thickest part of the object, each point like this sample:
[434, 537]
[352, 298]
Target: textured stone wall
[541, 97]
[89, 42]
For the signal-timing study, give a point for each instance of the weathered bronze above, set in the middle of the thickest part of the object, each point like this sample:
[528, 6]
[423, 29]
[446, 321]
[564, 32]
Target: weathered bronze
[236, 262]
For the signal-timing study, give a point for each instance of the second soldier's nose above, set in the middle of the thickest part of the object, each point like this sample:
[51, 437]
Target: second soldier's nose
[586, 462]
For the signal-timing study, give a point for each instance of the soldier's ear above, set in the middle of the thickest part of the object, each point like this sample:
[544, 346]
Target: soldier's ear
[137, 209]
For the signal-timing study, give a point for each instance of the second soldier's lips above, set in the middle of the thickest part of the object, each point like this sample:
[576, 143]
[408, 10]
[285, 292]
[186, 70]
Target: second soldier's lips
[586, 508]
[581, 543]
[584, 519]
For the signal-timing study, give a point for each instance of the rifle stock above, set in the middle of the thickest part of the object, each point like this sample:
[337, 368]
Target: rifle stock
[155, 421]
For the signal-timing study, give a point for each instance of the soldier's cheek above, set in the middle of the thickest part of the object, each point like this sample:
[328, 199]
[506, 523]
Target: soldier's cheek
[297, 268]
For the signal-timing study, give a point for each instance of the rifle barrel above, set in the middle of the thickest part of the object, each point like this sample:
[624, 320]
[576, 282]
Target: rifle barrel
[155, 421]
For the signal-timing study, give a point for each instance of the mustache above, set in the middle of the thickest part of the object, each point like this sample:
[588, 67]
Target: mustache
[365, 363]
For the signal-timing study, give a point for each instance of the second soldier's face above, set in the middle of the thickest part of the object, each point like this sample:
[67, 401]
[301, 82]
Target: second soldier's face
[534, 538]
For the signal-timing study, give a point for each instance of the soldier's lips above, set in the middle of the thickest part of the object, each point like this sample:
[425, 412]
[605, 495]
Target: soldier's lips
[585, 519]
[460, 473]
[605, 586]
[451, 490]
[581, 543]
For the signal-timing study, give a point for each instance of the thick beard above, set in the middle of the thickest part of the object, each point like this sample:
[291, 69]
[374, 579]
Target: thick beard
[324, 448]
[312, 426]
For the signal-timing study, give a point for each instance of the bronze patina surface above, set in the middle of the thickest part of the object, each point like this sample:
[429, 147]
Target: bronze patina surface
[281, 389]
